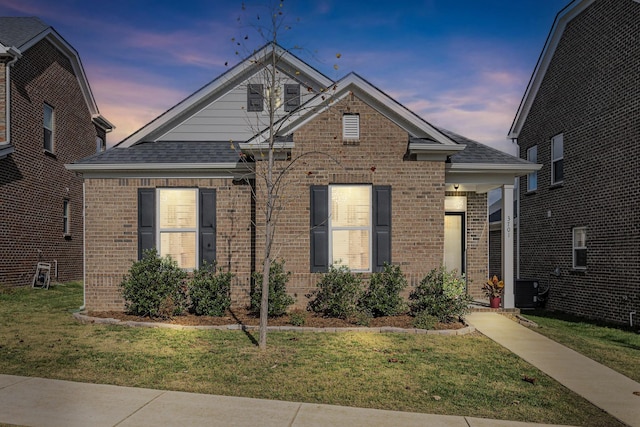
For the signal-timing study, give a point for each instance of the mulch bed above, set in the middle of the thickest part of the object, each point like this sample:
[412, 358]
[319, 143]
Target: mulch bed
[244, 317]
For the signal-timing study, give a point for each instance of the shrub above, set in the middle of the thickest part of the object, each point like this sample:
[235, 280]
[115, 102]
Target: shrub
[298, 318]
[424, 320]
[154, 287]
[279, 300]
[337, 294]
[441, 294]
[210, 291]
[382, 298]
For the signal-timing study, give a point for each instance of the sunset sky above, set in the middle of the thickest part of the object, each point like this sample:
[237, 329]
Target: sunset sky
[462, 65]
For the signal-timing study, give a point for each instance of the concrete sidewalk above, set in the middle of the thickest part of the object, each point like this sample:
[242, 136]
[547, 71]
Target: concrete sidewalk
[602, 386]
[42, 402]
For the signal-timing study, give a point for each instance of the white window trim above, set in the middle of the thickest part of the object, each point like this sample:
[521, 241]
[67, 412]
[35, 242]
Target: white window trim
[557, 138]
[66, 218]
[52, 130]
[574, 247]
[331, 227]
[531, 188]
[195, 229]
[350, 127]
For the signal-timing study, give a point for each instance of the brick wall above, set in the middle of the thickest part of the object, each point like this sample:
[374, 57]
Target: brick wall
[378, 159]
[591, 94]
[112, 239]
[34, 184]
[3, 102]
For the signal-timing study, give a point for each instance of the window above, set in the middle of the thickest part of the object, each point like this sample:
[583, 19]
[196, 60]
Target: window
[180, 222]
[48, 128]
[580, 247]
[557, 172]
[291, 97]
[255, 97]
[177, 214]
[532, 178]
[350, 127]
[350, 225]
[100, 145]
[66, 218]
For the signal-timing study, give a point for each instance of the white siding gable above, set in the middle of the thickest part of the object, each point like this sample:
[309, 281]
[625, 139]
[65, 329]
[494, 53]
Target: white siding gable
[227, 118]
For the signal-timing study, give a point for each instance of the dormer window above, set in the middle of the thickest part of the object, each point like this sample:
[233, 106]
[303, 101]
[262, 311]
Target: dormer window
[350, 127]
[255, 98]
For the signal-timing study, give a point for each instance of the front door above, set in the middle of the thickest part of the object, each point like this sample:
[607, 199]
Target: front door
[454, 245]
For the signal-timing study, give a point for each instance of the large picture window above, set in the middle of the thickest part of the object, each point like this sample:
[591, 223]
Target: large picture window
[180, 222]
[350, 226]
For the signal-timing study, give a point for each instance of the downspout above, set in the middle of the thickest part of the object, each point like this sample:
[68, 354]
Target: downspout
[15, 54]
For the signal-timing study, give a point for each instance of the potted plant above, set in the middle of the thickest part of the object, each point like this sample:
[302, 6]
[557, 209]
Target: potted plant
[493, 289]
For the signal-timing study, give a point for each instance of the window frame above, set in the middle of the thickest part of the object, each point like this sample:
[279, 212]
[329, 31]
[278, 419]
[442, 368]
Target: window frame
[291, 97]
[66, 218]
[48, 138]
[101, 145]
[369, 227]
[557, 139]
[532, 156]
[168, 230]
[575, 248]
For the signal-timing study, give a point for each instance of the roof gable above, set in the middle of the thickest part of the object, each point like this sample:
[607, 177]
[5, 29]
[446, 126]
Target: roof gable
[22, 33]
[287, 63]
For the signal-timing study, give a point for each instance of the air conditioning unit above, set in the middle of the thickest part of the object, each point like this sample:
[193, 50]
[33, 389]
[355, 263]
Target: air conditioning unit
[526, 293]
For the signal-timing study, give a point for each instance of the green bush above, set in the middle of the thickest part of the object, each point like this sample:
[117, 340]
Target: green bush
[298, 318]
[337, 294]
[441, 294]
[382, 297]
[210, 291]
[424, 320]
[154, 287]
[279, 300]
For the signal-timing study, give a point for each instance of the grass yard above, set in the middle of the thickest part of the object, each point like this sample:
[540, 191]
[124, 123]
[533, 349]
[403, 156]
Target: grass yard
[458, 375]
[614, 347]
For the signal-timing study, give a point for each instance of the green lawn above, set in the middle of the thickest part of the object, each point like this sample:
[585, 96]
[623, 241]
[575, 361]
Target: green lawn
[458, 375]
[615, 347]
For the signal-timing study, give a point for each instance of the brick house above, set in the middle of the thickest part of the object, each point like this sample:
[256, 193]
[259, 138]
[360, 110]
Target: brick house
[48, 117]
[580, 214]
[367, 182]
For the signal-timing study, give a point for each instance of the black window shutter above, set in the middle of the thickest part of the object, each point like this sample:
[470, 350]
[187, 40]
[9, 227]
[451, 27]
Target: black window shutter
[381, 226]
[319, 228]
[146, 220]
[254, 97]
[291, 97]
[207, 238]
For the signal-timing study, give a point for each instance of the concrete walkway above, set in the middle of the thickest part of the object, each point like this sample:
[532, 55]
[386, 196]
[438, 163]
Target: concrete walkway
[49, 403]
[602, 386]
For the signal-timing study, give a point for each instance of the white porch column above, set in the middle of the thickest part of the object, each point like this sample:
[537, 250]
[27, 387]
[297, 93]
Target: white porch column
[507, 246]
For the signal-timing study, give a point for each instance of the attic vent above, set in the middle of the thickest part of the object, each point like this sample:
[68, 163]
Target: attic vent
[351, 127]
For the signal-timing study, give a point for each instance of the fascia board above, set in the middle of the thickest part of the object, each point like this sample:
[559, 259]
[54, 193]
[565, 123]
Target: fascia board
[80, 167]
[521, 169]
[553, 39]
[434, 151]
[219, 85]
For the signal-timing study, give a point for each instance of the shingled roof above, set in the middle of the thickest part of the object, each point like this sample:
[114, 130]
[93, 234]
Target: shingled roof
[16, 31]
[476, 152]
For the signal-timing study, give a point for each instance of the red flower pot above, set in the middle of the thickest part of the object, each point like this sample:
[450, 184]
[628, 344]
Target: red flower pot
[494, 302]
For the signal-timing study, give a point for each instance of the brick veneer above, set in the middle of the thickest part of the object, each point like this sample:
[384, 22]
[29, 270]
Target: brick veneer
[591, 94]
[3, 102]
[33, 184]
[322, 158]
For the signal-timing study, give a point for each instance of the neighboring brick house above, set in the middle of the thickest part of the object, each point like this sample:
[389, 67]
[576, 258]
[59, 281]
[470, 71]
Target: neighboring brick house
[368, 182]
[48, 117]
[580, 117]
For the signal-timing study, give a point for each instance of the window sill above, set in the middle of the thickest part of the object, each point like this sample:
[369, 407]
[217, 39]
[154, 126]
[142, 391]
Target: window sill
[352, 142]
[531, 193]
[50, 154]
[578, 271]
[556, 185]
[66, 236]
